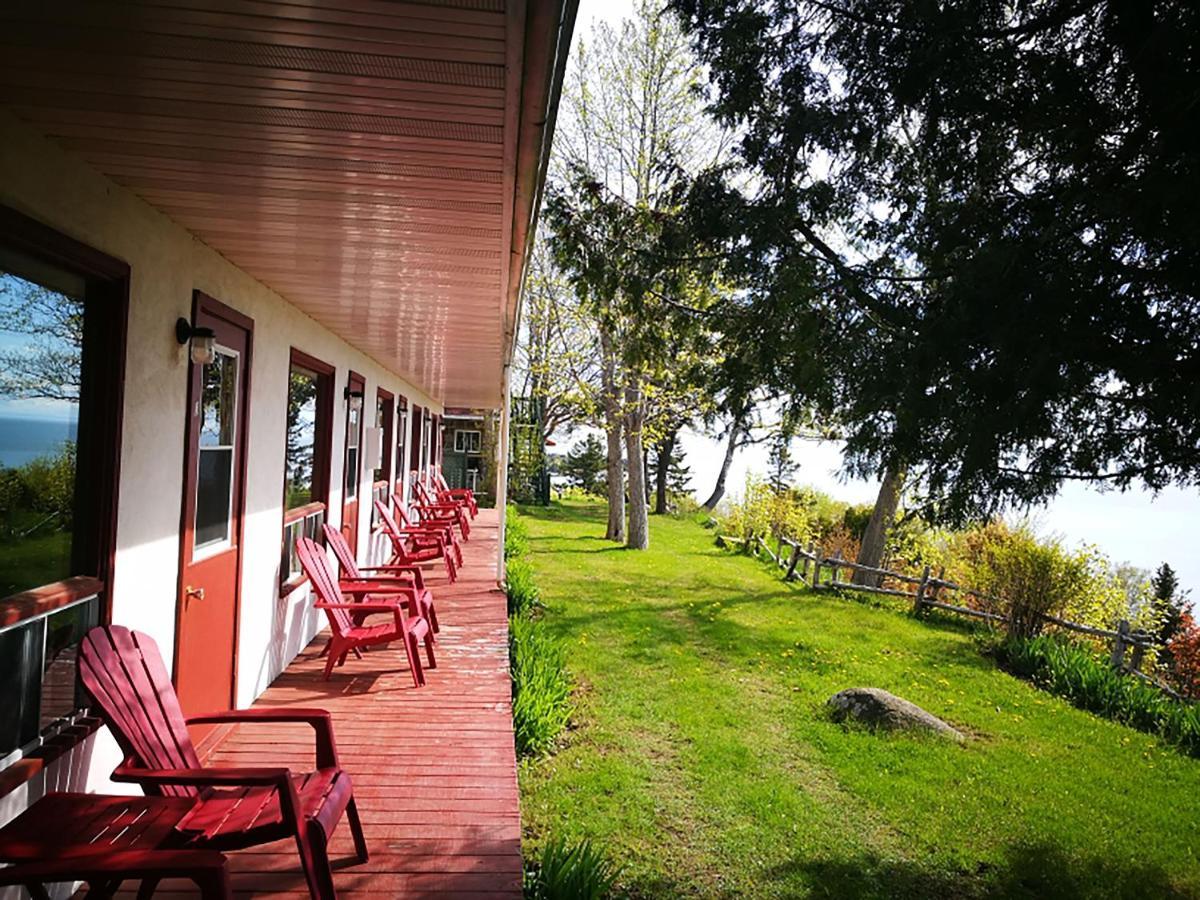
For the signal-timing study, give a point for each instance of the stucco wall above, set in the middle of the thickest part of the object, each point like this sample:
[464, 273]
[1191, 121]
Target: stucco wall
[167, 263]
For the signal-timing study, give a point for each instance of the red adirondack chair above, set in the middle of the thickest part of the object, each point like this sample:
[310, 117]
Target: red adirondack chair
[448, 494]
[347, 635]
[442, 528]
[430, 510]
[384, 580]
[233, 808]
[413, 543]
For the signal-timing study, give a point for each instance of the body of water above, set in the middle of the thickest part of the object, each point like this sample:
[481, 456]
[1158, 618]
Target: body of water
[26, 438]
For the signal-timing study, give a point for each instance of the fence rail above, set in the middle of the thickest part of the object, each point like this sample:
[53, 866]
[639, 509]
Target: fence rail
[807, 564]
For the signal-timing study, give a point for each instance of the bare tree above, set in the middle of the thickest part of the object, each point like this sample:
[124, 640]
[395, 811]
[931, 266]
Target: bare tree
[47, 367]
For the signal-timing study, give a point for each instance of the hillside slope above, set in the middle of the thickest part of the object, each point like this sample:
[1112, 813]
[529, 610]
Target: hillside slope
[703, 759]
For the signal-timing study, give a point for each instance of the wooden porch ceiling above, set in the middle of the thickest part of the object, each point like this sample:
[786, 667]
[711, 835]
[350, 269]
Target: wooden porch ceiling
[375, 162]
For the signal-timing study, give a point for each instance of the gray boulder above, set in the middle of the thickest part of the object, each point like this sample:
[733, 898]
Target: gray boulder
[879, 709]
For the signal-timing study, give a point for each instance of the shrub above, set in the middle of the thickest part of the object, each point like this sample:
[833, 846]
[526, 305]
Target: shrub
[1184, 649]
[570, 872]
[523, 594]
[516, 535]
[1031, 576]
[1073, 670]
[541, 687]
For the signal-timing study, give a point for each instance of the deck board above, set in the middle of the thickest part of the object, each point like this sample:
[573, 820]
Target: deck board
[434, 769]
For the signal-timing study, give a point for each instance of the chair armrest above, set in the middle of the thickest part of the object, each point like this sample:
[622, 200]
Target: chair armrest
[320, 720]
[264, 714]
[232, 777]
[361, 588]
[414, 571]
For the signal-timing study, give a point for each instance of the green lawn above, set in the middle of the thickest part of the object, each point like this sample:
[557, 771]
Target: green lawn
[702, 758]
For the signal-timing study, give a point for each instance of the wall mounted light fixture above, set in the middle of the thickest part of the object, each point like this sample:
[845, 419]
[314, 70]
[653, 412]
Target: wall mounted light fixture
[355, 398]
[203, 349]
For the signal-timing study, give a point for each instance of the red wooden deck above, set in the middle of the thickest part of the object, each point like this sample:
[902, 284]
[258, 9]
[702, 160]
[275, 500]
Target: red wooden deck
[434, 769]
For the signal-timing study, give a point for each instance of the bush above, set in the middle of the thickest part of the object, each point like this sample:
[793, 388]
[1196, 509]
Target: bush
[1184, 649]
[1031, 576]
[541, 688]
[1073, 670]
[523, 595]
[566, 872]
[516, 535]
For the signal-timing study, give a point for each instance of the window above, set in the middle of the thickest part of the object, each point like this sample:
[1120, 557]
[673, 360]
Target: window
[426, 441]
[466, 441]
[401, 441]
[383, 421]
[354, 409]
[214, 480]
[62, 352]
[306, 464]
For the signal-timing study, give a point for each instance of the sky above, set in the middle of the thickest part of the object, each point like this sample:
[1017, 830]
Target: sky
[1135, 526]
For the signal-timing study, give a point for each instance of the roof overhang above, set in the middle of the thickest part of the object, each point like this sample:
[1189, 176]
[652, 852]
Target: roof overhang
[379, 164]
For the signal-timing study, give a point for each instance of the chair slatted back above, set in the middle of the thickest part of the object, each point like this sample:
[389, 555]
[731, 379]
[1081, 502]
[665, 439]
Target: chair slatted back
[392, 530]
[342, 551]
[316, 568]
[123, 672]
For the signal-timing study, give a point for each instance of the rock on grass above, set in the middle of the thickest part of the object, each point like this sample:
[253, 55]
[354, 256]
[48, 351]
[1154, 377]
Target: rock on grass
[877, 708]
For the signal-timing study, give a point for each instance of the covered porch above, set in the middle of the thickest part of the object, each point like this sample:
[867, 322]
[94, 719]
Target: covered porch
[434, 769]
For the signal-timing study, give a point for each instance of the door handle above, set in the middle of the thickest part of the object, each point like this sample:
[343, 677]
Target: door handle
[193, 593]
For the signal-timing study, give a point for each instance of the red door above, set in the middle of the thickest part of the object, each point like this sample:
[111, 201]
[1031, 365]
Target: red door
[354, 415]
[214, 488]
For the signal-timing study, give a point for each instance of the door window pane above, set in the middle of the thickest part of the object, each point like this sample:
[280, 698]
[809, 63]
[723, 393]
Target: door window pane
[301, 436]
[41, 341]
[352, 436]
[214, 479]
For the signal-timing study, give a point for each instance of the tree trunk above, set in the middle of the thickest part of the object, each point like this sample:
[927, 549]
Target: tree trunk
[882, 516]
[662, 460]
[646, 472]
[735, 435]
[612, 430]
[638, 537]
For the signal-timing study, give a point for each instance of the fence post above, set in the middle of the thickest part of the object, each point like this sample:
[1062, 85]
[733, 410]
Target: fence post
[812, 552]
[833, 572]
[1118, 651]
[919, 600]
[791, 572]
[816, 573]
[1139, 651]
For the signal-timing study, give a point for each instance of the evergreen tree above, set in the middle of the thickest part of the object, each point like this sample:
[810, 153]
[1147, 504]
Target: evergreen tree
[781, 467]
[585, 465]
[973, 238]
[1172, 604]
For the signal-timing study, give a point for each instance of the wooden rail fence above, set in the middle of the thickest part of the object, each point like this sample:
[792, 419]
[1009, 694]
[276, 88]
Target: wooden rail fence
[807, 564]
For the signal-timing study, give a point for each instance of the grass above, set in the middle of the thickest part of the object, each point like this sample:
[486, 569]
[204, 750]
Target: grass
[33, 561]
[702, 759]
[1075, 671]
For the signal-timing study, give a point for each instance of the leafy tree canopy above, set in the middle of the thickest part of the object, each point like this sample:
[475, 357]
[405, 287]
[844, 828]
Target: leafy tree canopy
[971, 232]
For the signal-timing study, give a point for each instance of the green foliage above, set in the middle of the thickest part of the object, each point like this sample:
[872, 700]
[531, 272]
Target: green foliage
[541, 686]
[37, 503]
[570, 872]
[1030, 576]
[996, 175]
[1073, 670]
[516, 535]
[45, 485]
[586, 465]
[520, 586]
[801, 514]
